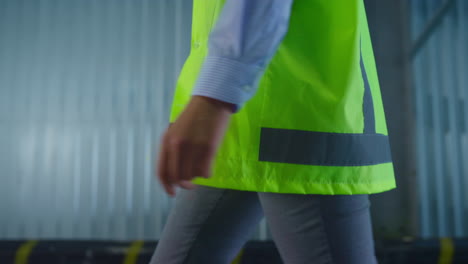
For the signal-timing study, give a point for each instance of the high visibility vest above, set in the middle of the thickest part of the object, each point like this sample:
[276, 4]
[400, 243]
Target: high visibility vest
[316, 124]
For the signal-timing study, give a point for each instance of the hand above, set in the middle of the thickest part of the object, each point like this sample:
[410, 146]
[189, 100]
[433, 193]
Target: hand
[190, 143]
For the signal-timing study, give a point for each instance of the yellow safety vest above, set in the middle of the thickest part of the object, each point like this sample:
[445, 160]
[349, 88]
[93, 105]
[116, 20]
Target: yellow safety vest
[316, 124]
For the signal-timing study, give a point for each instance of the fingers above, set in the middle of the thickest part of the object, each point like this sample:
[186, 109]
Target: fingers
[163, 168]
[175, 159]
[187, 185]
[185, 162]
[186, 169]
[180, 161]
[181, 157]
[174, 166]
[202, 162]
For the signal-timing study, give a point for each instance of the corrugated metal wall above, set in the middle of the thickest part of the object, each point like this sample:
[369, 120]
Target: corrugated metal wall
[440, 64]
[85, 90]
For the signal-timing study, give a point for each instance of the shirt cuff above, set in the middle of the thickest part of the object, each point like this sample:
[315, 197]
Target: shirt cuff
[227, 80]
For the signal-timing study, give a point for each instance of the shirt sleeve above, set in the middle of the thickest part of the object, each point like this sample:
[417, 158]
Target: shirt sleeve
[243, 41]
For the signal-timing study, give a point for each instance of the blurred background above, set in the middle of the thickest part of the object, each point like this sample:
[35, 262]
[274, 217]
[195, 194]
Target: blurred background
[85, 92]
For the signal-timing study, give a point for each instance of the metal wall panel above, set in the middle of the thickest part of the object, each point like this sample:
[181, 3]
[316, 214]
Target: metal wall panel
[441, 93]
[85, 91]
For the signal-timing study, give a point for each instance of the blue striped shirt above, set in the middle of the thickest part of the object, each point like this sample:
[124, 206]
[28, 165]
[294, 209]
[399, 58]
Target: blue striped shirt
[243, 41]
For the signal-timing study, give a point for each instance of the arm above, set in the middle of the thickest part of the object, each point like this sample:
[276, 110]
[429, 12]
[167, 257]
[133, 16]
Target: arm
[243, 41]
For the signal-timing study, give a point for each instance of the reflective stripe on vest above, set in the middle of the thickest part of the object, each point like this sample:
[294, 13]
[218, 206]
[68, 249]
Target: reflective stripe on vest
[320, 148]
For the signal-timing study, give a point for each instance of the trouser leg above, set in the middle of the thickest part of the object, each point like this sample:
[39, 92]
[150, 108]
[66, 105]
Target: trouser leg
[320, 228]
[208, 225]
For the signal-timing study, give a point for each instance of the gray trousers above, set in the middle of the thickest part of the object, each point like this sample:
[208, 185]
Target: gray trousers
[210, 225]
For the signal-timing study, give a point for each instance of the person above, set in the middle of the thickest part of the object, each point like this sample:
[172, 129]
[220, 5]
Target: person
[277, 113]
